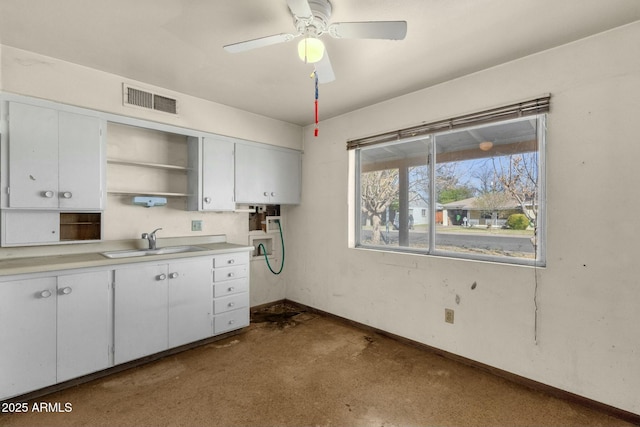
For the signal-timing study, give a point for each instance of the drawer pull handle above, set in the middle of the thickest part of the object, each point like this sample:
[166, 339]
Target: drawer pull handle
[231, 261]
[173, 275]
[161, 277]
[230, 274]
[231, 289]
[47, 194]
[45, 294]
[67, 194]
[66, 291]
[232, 304]
[232, 321]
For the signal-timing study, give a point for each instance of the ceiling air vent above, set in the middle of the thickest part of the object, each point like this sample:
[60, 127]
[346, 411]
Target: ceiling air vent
[140, 98]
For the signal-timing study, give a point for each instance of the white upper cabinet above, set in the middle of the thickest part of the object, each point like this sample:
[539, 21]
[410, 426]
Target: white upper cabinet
[211, 181]
[80, 162]
[267, 175]
[55, 159]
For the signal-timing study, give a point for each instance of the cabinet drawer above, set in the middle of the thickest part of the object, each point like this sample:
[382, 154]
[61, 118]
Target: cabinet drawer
[229, 273]
[228, 260]
[229, 287]
[232, 302]
[235, 319]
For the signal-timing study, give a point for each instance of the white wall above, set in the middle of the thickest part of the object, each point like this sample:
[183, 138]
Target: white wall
[28, 73]
[586, 338]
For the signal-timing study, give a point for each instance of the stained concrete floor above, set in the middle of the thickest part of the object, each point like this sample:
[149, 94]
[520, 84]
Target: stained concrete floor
[306, 370]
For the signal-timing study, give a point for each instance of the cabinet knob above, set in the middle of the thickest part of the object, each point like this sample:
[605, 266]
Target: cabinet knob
[231, 289]
[207, 199]
[232, 321]
[232, 304]
[266, 194]
[173, 275]
[230, 274]
[66, 195]
[273, 194]
[65, 291]
[47, 194]
[45, 294]
[231, 261]
[161, 277]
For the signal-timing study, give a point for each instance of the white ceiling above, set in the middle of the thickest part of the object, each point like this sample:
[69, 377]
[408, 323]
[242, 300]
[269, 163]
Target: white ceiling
[177, 44]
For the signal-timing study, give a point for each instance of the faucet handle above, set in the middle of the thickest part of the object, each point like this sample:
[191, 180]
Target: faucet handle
[144, 236]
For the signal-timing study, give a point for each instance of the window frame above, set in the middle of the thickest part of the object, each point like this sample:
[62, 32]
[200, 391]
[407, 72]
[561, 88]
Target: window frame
[539, 259]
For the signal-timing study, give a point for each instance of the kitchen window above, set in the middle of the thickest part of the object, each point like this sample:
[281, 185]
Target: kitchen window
[471, 188]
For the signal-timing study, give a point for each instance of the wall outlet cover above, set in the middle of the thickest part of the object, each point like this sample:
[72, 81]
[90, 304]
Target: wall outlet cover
[196, 225]
[448, 315]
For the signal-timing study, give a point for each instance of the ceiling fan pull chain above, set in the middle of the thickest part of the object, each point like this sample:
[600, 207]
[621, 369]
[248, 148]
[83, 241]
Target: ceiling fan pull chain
[315, 131]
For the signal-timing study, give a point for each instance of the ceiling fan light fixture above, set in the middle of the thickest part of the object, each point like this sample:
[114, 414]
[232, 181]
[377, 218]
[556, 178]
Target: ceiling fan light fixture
[310, 50]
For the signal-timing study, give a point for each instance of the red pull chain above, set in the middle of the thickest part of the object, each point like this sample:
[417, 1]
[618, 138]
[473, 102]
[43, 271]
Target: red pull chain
[315, 131]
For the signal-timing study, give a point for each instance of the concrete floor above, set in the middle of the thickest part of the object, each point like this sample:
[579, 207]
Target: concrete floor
[306, 370]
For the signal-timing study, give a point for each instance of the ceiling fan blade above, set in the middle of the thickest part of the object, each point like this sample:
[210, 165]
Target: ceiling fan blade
[260, 42]
[390, 30]
[325, 70]
[300, 8]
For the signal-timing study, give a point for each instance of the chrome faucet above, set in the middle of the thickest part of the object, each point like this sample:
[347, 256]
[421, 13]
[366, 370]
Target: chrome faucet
[151, 237]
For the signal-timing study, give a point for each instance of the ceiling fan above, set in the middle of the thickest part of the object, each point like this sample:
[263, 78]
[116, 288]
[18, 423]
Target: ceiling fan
[311, 19]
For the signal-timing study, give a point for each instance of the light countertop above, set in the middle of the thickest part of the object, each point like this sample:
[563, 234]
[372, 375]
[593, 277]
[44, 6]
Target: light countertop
[69, 261]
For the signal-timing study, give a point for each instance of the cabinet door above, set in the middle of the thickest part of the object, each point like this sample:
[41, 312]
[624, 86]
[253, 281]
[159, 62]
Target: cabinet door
[33, 156]
[83, 324]
[28, 335]
[218, 175]
[267, 175]
[140, 312]
[253, 174]
[80, 162]
[285, 177]
[190, 295]
[29, 227]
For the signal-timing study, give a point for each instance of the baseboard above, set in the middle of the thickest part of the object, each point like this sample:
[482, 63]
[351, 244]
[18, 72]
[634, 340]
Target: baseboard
[526, 382]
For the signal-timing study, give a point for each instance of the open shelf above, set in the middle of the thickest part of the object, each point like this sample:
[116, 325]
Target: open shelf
[80, 226]
[146, 193]
[148, 165]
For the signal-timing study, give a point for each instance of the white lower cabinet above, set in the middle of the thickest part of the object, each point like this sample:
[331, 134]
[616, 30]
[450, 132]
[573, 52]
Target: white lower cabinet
[189, 302]
[55, 328]
[161, 306]
[69, 324]
[140, 311]
[84, 323]
[231, 292]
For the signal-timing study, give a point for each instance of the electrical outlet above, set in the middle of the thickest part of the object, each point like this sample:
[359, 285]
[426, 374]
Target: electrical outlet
[448, 315]
[196, 225]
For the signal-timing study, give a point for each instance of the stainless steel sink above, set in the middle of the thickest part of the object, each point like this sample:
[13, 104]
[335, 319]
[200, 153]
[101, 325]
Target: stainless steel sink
[127, 253]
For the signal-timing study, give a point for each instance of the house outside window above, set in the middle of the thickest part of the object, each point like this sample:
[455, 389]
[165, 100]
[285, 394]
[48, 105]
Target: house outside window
[473, 192]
